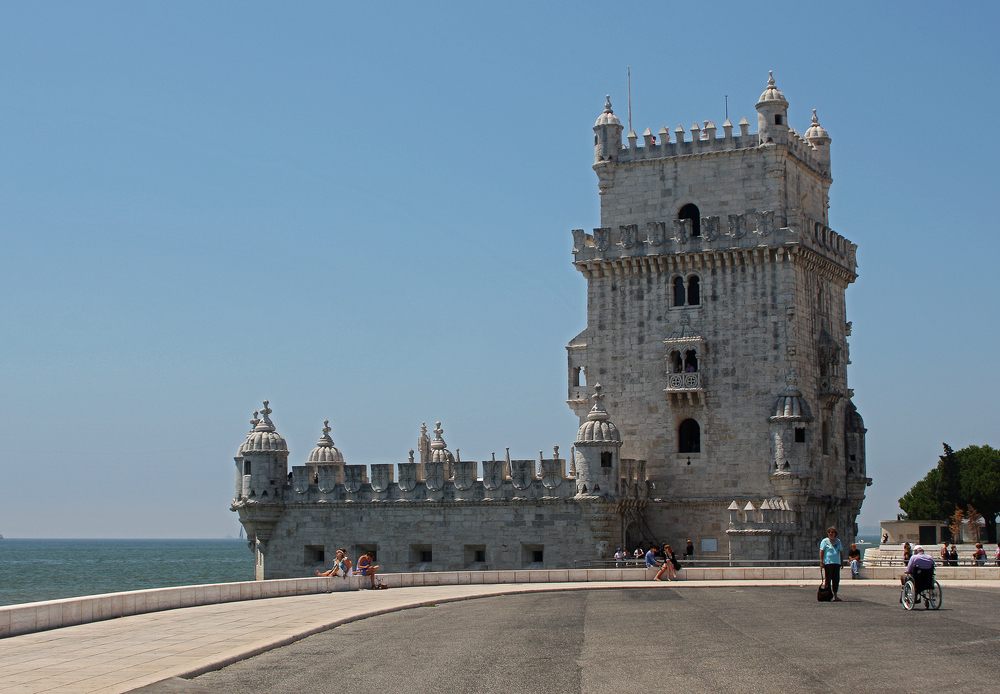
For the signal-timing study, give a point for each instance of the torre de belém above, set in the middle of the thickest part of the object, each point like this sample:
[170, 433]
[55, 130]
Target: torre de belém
[710, 381]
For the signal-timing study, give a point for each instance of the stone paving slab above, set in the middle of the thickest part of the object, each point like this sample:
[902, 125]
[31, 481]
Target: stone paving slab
[121, 655]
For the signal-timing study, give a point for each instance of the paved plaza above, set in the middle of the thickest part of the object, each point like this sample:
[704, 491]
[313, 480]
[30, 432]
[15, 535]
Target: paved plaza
[720, 639]
[582, 637]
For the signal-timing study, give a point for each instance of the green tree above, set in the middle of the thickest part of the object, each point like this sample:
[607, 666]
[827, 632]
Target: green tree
[980, 466]
[969, 477]
[922, 501]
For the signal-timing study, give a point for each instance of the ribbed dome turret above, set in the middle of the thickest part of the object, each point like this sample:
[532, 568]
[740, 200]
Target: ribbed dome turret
[816, 131]
[439, 450]
[608, 117]
[790, 406]
[264, 437]
[325, 452]
[771, 94]
[598, 427]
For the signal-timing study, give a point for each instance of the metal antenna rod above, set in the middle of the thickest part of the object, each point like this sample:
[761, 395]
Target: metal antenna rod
[629, 68]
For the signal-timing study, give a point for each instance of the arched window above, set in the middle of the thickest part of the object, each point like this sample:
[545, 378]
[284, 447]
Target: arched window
[679, 293]
[690, 211]
[689, 437]
[694, 290]
[690, 361]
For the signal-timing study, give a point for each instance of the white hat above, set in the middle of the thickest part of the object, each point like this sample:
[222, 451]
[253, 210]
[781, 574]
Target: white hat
[918, 549]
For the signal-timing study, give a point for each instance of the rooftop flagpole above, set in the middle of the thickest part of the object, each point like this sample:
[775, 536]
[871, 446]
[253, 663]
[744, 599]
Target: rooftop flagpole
[629, 68]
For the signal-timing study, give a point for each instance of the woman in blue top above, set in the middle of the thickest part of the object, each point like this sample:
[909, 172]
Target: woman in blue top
[829, 556]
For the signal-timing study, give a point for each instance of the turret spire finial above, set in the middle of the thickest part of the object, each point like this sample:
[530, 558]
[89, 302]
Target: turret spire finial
[325, 439]
[597, 412]
[770, 78]
[815, 118]
[255, 420]
[607, 103]
[265, 423]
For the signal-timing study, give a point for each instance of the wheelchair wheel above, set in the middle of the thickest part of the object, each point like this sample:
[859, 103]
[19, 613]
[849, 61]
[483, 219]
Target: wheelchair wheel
[909, 595]
[932, 597]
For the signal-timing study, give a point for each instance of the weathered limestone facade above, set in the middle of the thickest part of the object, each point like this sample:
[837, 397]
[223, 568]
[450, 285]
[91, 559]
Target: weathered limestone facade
[716, 323]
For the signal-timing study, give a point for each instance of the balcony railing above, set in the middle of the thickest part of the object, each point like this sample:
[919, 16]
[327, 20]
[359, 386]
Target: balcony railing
[685, 381]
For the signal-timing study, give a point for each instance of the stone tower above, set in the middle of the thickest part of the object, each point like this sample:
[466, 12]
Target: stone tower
[716, 322]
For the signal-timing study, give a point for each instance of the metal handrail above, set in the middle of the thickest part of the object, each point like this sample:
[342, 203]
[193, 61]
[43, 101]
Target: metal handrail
[692, 562]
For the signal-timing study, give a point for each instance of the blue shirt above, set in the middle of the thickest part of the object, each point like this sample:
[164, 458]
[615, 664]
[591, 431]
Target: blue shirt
[831, 550]
[650, 559]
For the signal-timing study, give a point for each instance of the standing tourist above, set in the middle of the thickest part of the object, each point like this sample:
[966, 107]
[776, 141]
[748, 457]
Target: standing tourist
[620, 557]
[907, 553]
[829, 558]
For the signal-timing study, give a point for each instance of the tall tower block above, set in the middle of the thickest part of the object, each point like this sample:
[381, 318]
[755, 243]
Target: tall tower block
[716, 323]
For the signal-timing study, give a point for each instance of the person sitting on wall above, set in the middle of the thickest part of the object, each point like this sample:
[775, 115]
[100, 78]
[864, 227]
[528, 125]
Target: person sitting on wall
[854, 555]
[944, 554]
[341, 566]
[651, 561]
[365, 567]
[670, 565]
[979, 556]
[953, 556]
[689, 551]
[996, 555]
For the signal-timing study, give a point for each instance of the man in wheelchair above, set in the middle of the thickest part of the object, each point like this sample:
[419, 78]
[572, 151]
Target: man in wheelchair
[921, 570]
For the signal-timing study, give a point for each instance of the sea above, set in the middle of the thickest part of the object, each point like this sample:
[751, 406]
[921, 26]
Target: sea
[33, 570]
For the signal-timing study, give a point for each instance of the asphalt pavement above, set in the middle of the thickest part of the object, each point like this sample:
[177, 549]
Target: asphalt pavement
[689, 639]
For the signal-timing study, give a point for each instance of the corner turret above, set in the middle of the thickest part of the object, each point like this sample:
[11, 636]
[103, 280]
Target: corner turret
[265, 461]
[597, 452]
[607, 135]
[820, 139]
[772, 115]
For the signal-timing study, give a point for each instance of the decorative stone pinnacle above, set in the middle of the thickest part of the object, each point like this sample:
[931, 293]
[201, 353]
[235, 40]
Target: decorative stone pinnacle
[438, 442]
[770, 78]
[815, 119]
[607, 104]
[411, 455]
[597, 412]
[325, 440]
[255, 420]
[265, 423]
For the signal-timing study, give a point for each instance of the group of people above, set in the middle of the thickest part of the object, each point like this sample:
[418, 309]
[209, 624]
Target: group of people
[343, 568]
[949, 554]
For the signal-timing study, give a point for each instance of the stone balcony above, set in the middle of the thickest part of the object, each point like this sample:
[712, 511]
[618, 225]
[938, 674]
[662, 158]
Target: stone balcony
[685, 388]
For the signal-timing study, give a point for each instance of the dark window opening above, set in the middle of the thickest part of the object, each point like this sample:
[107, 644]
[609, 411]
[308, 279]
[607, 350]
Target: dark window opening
[690, 361]
[690, 211]
[595, 139]
[689, 437]
[778, 120]
[694, 291]
[421, 554]
[800, 436]
[675, 362]
[537, 556]
[246, 467]
[826, 439]
[577, 376]
[315, 554]
[853, 457]
[605, 459]
[679, 293]
[480, 556]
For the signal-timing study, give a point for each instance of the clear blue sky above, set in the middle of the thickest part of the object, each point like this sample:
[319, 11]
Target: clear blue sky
[362, 212]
